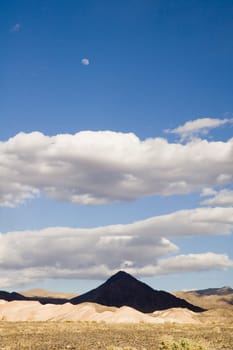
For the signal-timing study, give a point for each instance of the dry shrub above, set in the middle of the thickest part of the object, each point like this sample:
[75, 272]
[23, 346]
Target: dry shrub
[182, 344]
[112, 347]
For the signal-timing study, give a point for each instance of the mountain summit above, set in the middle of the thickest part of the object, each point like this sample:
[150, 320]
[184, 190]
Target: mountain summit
[122, 289]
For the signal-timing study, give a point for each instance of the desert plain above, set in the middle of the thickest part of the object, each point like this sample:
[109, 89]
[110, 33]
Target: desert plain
[30, 325]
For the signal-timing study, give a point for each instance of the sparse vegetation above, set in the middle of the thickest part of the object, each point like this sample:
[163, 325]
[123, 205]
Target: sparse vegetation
[183, 344]
[102, 336]
[111, 347]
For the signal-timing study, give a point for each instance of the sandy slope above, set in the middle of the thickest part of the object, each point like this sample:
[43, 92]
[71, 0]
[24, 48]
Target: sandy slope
[34, 311]
[177, 315]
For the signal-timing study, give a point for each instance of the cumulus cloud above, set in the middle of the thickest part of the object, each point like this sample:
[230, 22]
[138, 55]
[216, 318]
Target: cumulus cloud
[193, 263]
[78, 248]
[85, 61]
[193, 222]
[208, 191]
[221, 198]
[196, 127]
[139, 247]
[105, 166]
[178, 264]
[16, 28]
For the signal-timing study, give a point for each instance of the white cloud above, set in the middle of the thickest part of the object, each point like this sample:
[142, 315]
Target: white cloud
[193, 222]
[196, 127]
[193, 263]
[16, 28]
[208, 191]
[85, 61]
[140, 248]
[178, 264]
[105, 166]
[222, 198]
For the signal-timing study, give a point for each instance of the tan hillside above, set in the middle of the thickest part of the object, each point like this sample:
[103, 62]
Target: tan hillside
[210, 299]
[39, 292]
[34, 311]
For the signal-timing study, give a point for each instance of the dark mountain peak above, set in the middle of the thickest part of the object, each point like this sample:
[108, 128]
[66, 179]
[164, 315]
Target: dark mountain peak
[121, 275]
[122, 289]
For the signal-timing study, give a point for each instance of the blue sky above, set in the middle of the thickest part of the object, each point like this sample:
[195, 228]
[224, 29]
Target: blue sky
[159, 78]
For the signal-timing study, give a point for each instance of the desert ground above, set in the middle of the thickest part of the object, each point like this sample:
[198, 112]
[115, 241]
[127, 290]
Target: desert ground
[110, 328]
[94, 335]
[29, 325]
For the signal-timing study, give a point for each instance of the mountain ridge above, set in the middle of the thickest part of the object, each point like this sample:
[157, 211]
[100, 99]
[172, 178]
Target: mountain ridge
[226, 290]
[202, 299]
[122, 289]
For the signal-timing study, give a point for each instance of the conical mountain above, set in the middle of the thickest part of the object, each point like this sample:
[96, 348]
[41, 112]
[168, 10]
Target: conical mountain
[123, 289]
